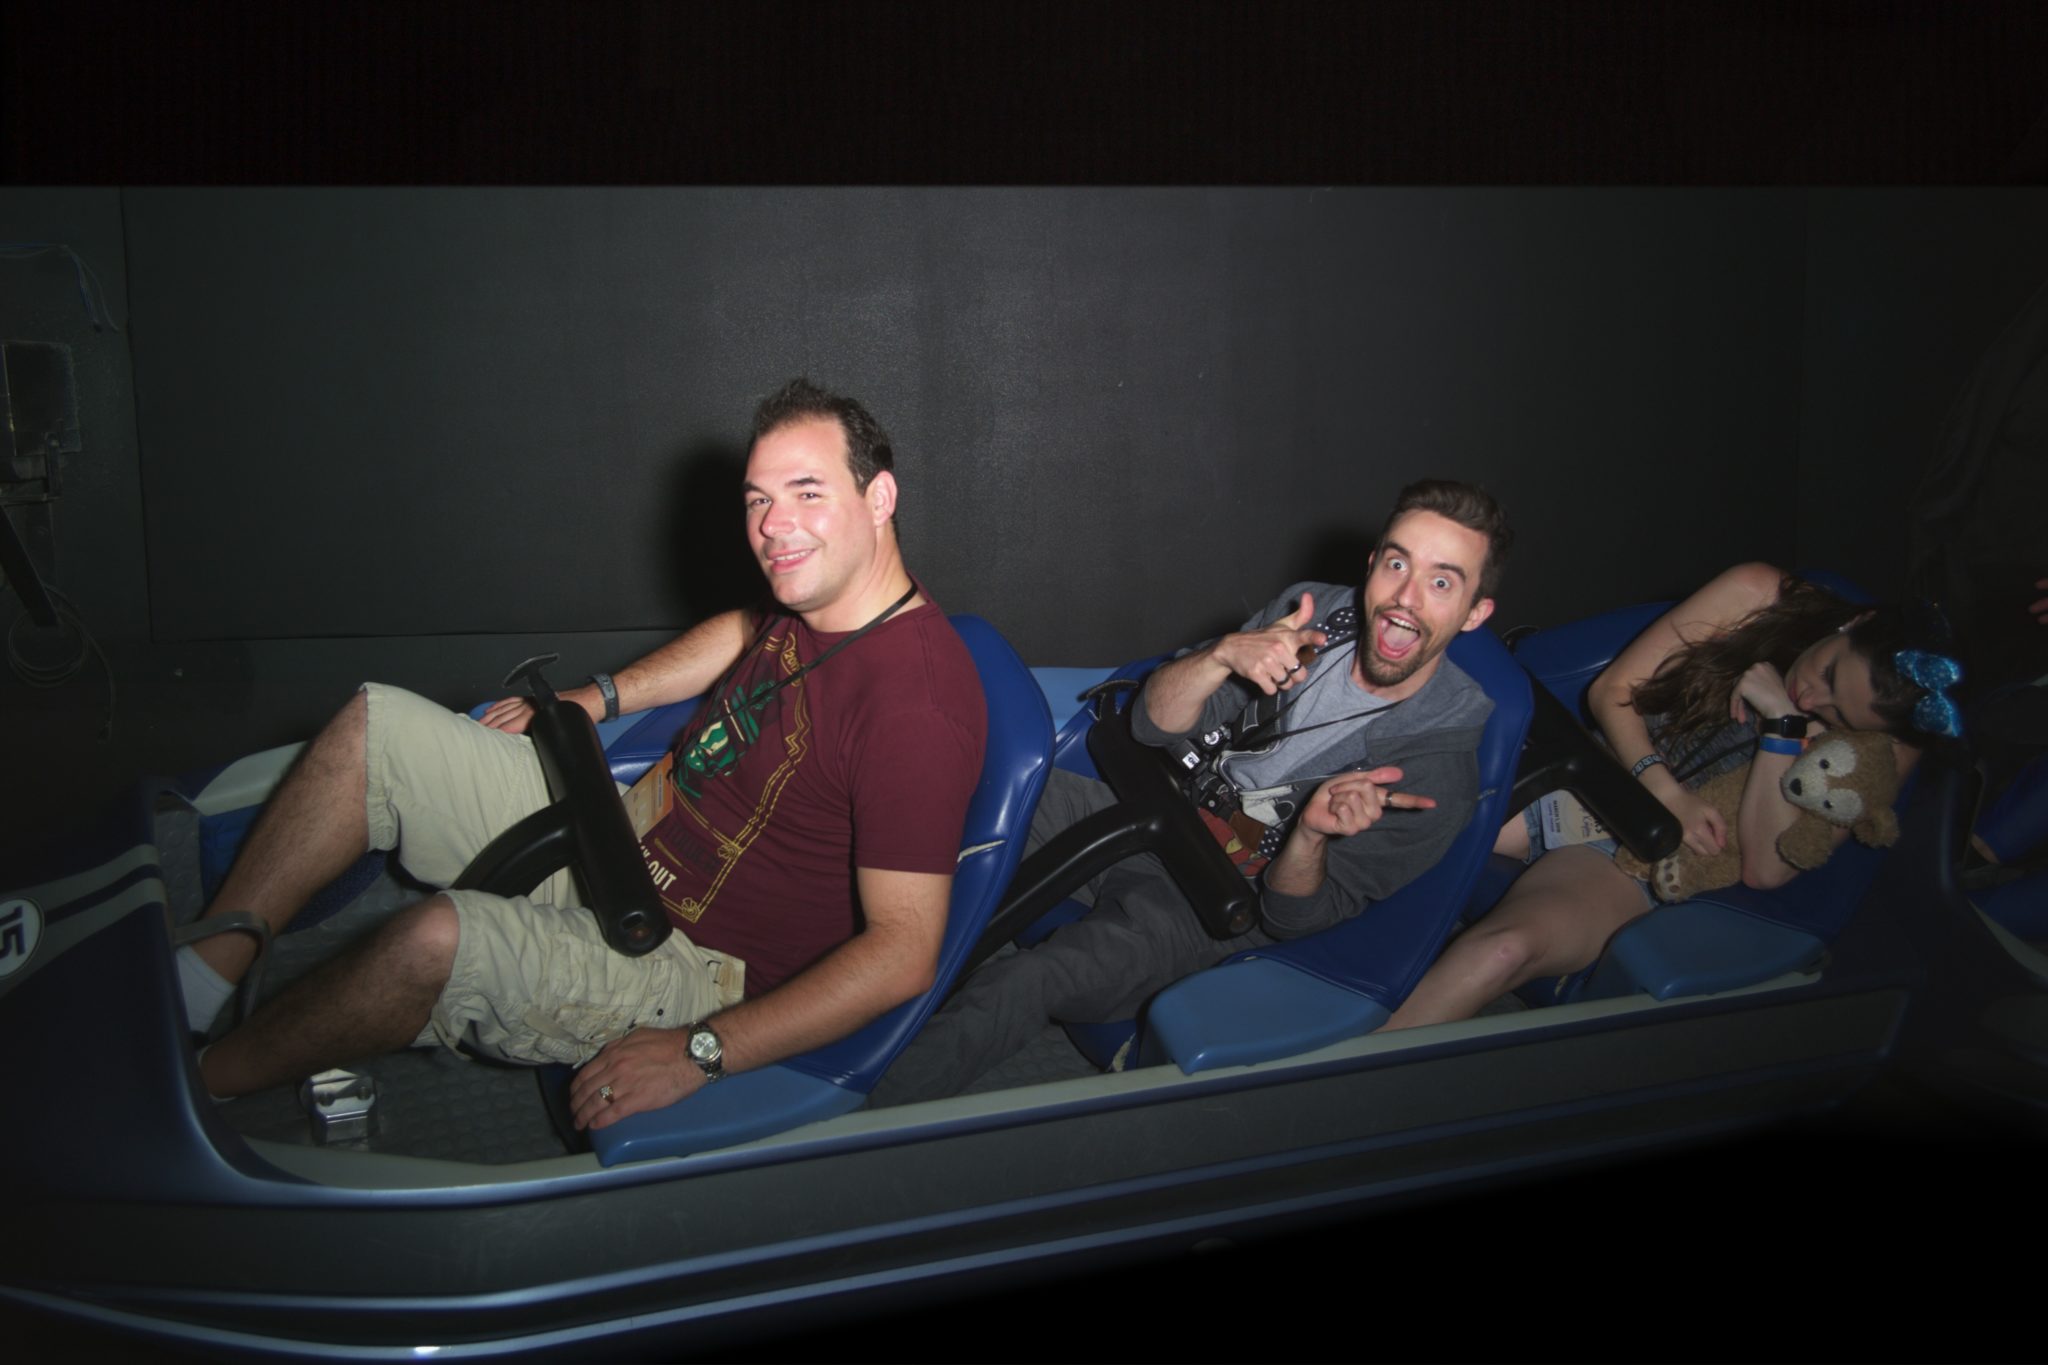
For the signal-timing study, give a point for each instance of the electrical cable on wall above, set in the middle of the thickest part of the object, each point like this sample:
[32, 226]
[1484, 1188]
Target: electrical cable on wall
[48, 675]
[91, 292]
[92, 295]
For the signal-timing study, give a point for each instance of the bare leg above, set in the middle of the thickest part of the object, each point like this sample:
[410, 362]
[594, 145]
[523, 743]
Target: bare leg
[1555, 920]
[307, 835]
[373, 999]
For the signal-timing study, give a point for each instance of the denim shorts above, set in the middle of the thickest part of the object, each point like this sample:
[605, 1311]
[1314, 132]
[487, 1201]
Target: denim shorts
[1610, 846]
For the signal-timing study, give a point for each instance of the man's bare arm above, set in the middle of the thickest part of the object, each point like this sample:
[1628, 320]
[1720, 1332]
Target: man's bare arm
[683, 667]
[894, 958]
[1268, 658]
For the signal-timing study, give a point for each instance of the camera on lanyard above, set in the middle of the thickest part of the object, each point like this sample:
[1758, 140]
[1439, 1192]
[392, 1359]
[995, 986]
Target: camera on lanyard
[1200, 759]
[1201, 779]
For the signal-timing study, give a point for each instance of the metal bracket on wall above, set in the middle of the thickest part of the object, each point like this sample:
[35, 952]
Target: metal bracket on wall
[41, 406]
[22, 576]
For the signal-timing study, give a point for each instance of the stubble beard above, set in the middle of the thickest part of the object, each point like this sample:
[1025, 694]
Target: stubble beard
[1383, 673]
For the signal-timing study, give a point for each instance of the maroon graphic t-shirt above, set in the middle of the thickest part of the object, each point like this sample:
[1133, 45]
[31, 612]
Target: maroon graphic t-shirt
[867, 760]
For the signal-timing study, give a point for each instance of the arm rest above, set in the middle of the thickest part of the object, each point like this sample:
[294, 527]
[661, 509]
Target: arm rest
[1560, 755]
[1256, 1010]
[1697, 948]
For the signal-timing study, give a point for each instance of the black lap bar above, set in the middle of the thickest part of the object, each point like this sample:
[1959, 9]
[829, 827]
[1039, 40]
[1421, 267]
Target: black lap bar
[586, 830]
[1151, 816]
[1558, 755]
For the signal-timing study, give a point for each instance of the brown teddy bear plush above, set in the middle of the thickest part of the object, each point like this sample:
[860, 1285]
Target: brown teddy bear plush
[1845, 779]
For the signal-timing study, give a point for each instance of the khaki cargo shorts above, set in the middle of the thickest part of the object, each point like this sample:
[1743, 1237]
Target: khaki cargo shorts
[533, 980]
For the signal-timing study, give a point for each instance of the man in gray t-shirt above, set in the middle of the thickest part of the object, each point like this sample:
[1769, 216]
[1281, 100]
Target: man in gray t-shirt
[1352, 749]
[1326, 713]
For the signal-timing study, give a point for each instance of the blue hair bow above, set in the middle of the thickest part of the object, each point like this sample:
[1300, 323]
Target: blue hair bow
[1935, 713]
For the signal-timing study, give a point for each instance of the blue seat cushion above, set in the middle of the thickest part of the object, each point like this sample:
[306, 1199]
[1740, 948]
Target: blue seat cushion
[836, 1078]
[2020, 906]
[1699, 947]
[1289, 997]
[2017, 822]
[1732, 937]
[1566, 658]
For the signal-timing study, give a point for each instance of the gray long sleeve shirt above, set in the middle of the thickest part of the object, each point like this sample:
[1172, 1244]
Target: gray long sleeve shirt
[1432, 736]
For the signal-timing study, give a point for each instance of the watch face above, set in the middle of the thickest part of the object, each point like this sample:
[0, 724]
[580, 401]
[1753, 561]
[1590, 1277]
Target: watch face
[704, 1045]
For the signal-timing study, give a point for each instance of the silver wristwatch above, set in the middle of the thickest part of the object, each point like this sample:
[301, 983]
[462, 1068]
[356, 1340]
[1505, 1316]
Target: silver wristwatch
[707, 1052]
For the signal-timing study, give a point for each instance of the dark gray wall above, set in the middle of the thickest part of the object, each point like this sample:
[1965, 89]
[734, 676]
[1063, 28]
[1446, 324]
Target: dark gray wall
[1159, 403]
[1905, 290]
[420, 434]
[89, 542]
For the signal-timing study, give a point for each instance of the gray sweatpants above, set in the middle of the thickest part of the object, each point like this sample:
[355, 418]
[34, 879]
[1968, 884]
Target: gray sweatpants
[1139, 937]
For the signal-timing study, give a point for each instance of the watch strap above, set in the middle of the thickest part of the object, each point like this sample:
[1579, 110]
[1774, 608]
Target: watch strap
[713, 1067]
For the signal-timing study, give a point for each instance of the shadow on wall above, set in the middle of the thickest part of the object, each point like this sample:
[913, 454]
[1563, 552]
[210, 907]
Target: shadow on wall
[1336, 554]
[709, 568]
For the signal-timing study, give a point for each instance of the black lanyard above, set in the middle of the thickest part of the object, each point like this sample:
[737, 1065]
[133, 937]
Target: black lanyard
[718, 691]
[887, 612]
[1256, 732]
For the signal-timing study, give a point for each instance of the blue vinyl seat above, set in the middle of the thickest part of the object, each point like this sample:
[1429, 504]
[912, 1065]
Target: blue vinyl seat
[1070, 753]
[1720, 940]
[1305, 993]
[835, 1079]
[2020, 906]
[2014, 826]
[1097, 1042]
[1294, 996]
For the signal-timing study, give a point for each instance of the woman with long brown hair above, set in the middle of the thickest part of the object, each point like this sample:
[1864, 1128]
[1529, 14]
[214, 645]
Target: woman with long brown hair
[1732, 675]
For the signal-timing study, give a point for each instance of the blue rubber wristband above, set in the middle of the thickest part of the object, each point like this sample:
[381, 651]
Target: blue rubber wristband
[1778, 744]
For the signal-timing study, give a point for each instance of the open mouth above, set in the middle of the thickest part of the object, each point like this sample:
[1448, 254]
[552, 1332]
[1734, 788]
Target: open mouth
[787, 560]
[1395, 636]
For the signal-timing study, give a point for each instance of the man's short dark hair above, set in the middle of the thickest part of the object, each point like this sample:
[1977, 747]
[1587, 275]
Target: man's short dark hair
[867, 445]
[1473, 508]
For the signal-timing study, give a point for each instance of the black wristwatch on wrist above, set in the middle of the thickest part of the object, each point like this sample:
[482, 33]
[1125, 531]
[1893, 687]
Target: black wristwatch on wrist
[1792, 726]
[707, 1052]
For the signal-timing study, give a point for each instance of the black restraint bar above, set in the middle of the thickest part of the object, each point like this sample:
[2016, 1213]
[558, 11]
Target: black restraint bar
[1151, 816]
[1560, 756]
[585, 829]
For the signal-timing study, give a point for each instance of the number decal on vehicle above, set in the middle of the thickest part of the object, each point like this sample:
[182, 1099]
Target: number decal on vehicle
[21, 928]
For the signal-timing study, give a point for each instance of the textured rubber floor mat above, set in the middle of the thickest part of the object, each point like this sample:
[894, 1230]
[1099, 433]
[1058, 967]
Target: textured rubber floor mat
[430, 1102]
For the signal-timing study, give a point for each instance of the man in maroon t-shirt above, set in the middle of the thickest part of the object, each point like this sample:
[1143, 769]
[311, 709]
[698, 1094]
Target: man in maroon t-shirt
[806, 855]
[752, 861]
